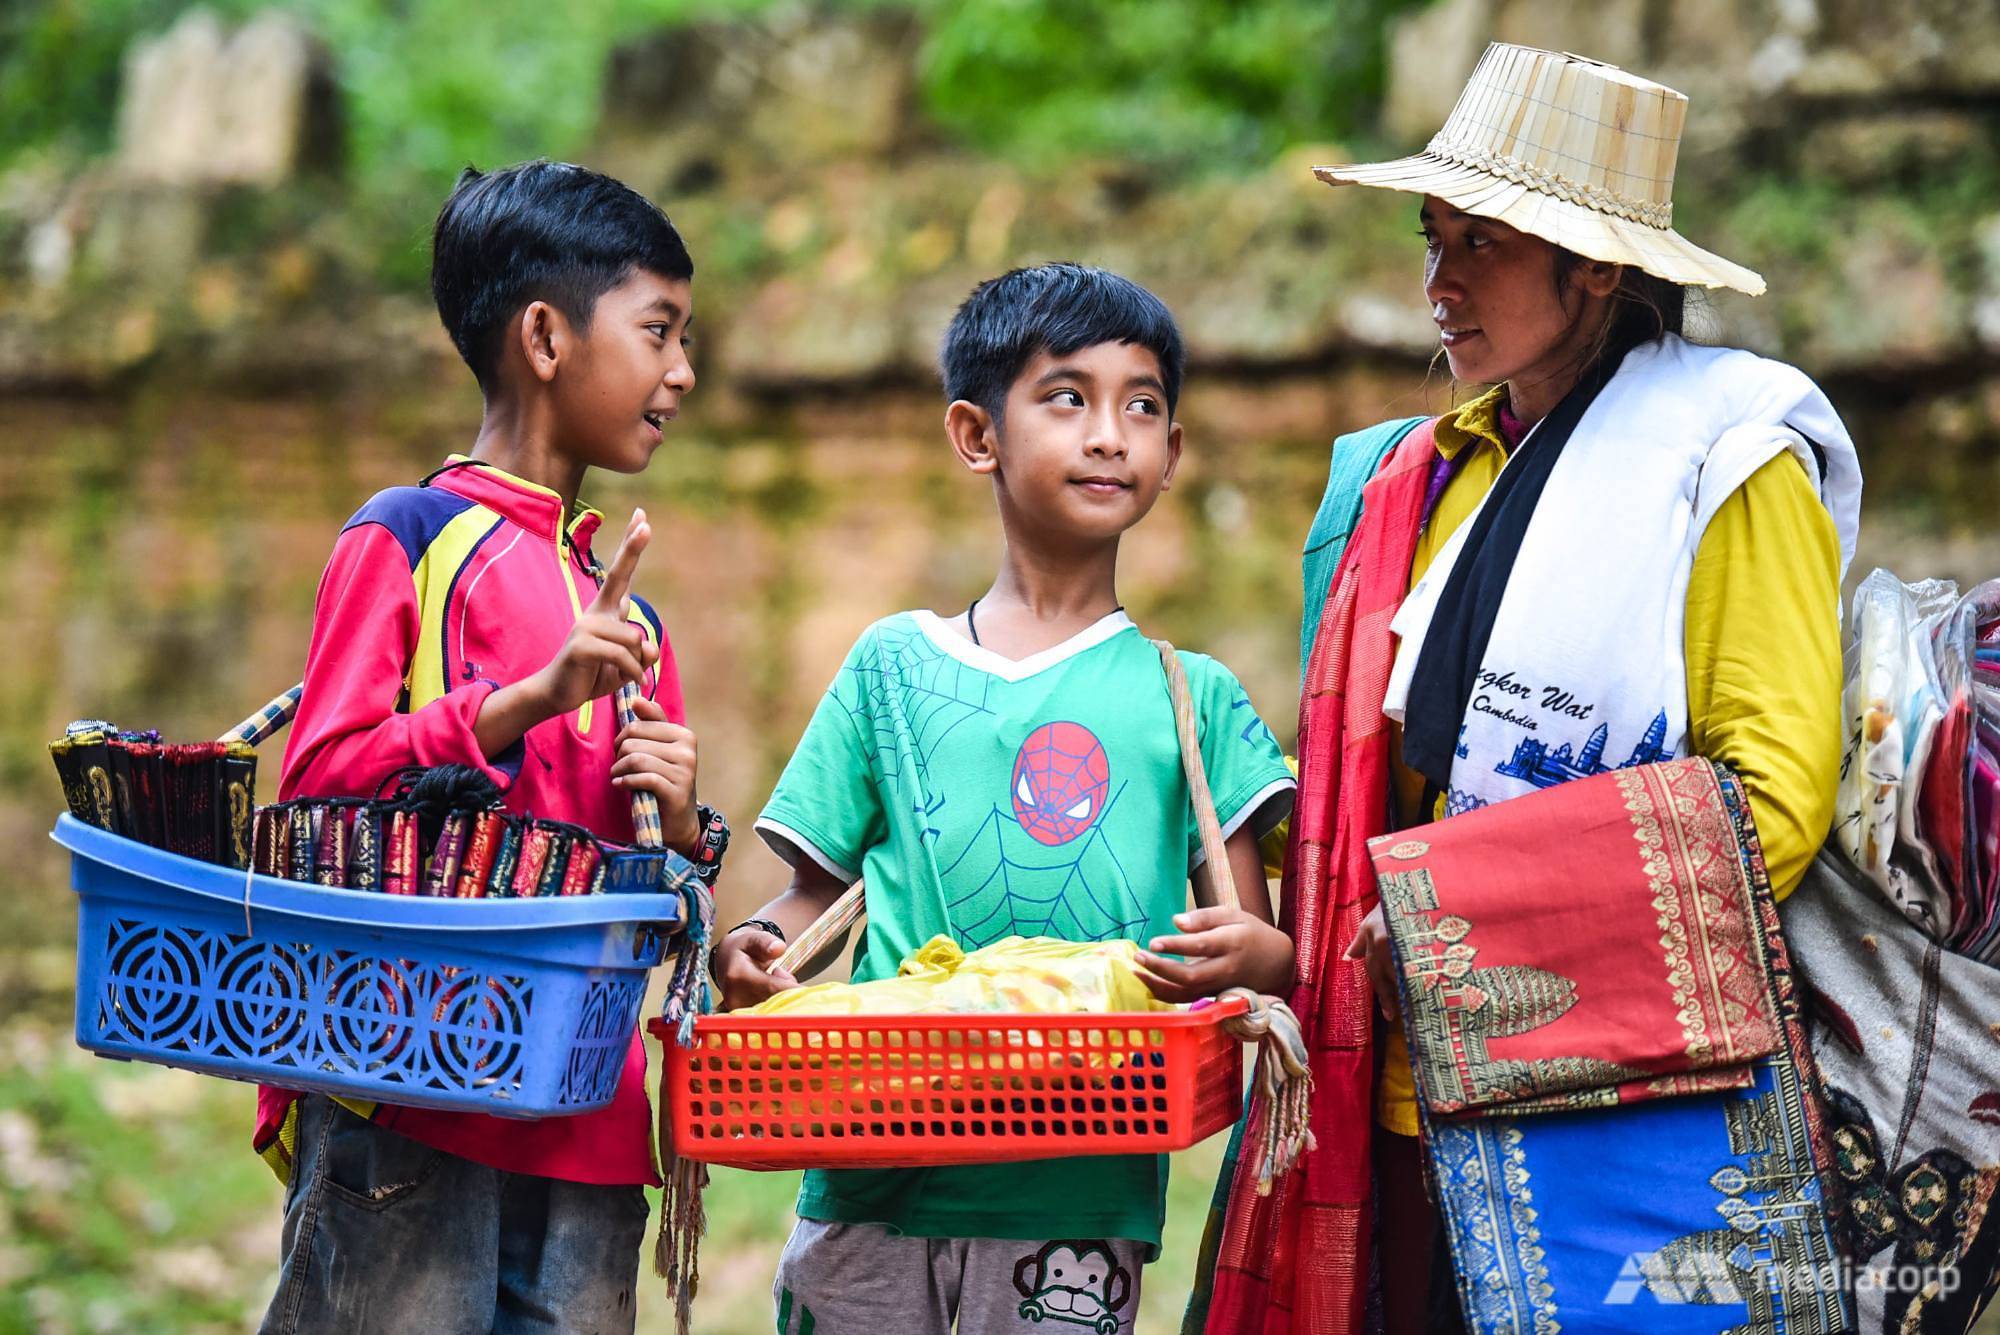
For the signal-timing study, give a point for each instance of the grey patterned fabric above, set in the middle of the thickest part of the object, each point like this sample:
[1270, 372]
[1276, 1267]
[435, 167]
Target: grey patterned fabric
[1907, 1039]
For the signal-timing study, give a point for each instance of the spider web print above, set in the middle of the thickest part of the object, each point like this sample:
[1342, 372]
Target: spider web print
[910, 679]
[1077, 891]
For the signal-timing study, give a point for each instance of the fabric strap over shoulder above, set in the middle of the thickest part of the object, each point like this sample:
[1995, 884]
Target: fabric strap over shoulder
[1356, 457]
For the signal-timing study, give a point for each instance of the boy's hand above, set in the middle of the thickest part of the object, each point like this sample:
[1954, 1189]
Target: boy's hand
[1371, 946]
[1225, 947]
[659, 757]
[743, 972]
[603, 648]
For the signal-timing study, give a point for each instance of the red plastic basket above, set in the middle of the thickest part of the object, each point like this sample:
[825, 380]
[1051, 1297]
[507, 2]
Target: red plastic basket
[774, 1092]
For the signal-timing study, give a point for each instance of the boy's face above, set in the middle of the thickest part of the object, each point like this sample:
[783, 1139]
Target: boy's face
[623, 380]
[1085, 447]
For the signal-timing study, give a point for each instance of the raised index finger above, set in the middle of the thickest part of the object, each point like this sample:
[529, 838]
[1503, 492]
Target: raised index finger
[617, 584]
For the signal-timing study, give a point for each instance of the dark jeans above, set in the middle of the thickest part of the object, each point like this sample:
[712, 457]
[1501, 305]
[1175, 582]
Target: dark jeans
[385, 1234]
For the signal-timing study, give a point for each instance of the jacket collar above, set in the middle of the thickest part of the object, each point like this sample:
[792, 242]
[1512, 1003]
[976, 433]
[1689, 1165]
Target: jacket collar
[1474, 423]
[527, 504]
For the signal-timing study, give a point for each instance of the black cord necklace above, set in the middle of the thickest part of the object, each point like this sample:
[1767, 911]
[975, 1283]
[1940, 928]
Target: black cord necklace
[972, 626]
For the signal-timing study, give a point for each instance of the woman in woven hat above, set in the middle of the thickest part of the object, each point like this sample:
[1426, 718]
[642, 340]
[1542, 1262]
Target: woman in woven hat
[1628, 549]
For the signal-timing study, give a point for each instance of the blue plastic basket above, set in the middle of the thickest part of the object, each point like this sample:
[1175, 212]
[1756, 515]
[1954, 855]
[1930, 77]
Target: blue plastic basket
[519, 1007]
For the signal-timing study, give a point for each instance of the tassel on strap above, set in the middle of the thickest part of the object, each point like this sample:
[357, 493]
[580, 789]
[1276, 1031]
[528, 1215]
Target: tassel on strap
[683, 1213]
[683, 1221]
[1281, 1108]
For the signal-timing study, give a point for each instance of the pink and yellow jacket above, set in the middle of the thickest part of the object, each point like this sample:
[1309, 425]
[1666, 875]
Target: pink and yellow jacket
[436, 595]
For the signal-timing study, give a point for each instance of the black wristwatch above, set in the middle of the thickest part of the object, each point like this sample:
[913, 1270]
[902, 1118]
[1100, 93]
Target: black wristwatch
[762, 924]
[710, 845]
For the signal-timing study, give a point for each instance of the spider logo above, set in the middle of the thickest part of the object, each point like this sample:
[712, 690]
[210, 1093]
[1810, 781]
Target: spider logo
[1061, 775]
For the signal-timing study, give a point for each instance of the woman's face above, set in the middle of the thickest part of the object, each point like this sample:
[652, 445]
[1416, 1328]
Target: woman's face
[1493, 293]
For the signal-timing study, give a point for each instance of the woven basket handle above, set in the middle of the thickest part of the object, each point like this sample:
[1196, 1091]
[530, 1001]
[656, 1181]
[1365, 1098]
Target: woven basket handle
[844, 912]
[284, 707]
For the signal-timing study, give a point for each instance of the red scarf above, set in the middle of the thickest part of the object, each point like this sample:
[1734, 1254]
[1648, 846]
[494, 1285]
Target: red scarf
[1296, 1262]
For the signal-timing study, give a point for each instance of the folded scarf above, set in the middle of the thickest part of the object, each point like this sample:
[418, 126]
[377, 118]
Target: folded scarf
[1610, 965]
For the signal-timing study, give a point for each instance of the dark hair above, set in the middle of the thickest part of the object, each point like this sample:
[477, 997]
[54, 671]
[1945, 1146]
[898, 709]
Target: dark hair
[1643, 308]
[1057, 308]
[541, 231]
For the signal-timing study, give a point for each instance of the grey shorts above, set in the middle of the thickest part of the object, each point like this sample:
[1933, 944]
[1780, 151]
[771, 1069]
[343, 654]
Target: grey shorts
[862, 1279]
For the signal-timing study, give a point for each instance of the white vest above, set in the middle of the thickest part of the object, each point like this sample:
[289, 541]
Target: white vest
[1585, 670]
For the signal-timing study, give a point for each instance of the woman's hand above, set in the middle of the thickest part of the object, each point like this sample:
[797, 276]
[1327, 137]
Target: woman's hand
[1371, 946]
[743, 971]
[1225, 947]
[658, 757]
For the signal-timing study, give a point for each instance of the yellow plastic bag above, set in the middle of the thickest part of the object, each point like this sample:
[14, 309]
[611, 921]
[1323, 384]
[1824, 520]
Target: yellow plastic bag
[1036, 975]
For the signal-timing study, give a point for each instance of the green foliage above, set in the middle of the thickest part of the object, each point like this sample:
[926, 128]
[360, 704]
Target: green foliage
[430, 85]
[1170, 82]
[60, 62]
[128, 1187]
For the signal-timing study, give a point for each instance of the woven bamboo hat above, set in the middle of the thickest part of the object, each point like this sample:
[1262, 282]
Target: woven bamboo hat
[1571, 150]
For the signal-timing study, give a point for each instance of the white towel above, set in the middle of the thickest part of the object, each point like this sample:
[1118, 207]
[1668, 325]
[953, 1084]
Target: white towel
[1585, 669]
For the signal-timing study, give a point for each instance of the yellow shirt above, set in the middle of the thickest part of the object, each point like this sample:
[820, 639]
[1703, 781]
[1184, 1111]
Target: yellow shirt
[1762, 646]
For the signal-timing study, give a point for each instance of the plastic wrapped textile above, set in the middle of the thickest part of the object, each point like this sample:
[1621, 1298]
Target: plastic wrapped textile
[364, 855]
[83, 763]
[632, 870]
[125, 818]
[330, 848]
[1893, 704]
[1901, 1032]
[500, 880]
[482, 846]
[535, 845]
[1039, 974]
[135, 787]
[280, 821]
[1918, 810]
[401, 867]
[440, 879]
[194, 799]
[305, 838]
[263, 841]
[147, 762]
[561, 840]
[236, 803]
[580, 876]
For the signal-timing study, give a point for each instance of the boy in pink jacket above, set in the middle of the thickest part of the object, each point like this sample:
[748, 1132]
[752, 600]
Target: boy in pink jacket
[465, 620]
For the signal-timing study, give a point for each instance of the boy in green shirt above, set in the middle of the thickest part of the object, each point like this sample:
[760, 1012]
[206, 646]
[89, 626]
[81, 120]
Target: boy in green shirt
[1014, 771]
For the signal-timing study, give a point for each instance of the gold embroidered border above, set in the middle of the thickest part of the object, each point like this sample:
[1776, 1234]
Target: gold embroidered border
[1529, 1253]
[1650, 830]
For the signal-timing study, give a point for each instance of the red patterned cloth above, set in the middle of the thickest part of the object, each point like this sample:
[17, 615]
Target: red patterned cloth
[1296, 1262]
[1517, 997]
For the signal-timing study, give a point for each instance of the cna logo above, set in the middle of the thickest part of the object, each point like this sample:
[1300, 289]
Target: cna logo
[1696, 1278]
[1707, 1279]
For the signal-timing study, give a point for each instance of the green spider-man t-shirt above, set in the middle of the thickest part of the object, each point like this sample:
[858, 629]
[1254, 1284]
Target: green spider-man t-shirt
[983, 798]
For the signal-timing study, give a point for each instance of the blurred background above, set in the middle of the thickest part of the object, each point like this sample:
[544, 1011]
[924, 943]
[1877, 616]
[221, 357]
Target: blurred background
[216, 341]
